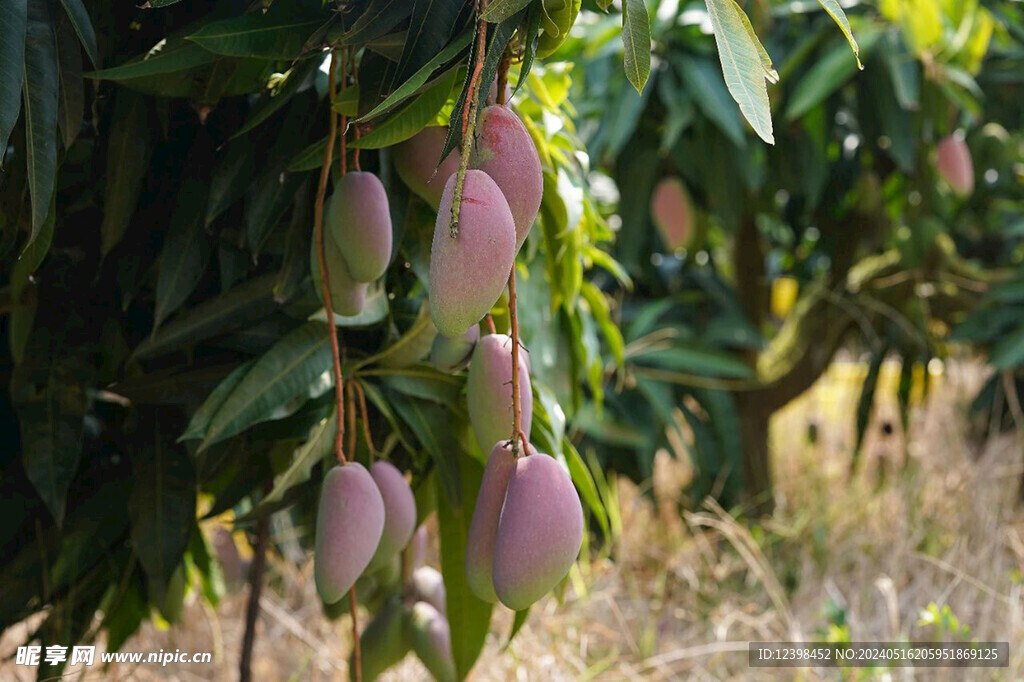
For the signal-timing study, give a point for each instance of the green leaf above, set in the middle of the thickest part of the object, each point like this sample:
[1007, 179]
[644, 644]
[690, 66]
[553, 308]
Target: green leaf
[430, 27]
[162, 506]
[185, 254]
[71, 103]
[416, 81]
[128, 154]
[834, 10]
[272, 195]
[827, 75]
[231, 177]
[690, 358]
[284, 373]
[636, 40]
[498, 11]
[712, 96]
[310, 158]
[41, 86]
[867, 399]
[377, 20]
[280, 33]
[517, 624]
[413, 118]
[298, 75]
[14, 20]
[469, 617]
[529, 44]
[1009, 351]
[766, 60]
[201, 418]
[741, 57]
[171, 55]
[584, 482]
[83, 27]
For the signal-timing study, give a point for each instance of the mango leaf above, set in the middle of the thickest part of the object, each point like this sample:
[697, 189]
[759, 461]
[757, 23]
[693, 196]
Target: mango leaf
[71, 102]
[377, 20]
[691, 358]
[162, 506]
[711, 96]
[298, 75]
[14, 19]
[529, 44]
[636, 40]
[827, 75]
[271, 197]
[584, 482]
[284, 373]
[834, 10]
[201, 418]
[41, 86]
[416, 81]
[468, 616]
[128, 154]
[230, 178]
[413, 118]
[280, 33]
[186, 251]
[1009, 350]
[83, 27]
[498, 11]
[430, 28]
[170, 55]
[742, 65]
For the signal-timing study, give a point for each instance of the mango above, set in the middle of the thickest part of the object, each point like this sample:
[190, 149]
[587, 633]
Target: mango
[358, 219]
[489, 390]
[427, 584]
[469, 272]
[953, 159]
[349, 524]
[451, 355]
[347, 295]
[483, 529]
[539, 534]
[419, 546]
[385, 641]
[505, 151]
[416, 161]
[432, 641]
[399, 512]
[672, 213]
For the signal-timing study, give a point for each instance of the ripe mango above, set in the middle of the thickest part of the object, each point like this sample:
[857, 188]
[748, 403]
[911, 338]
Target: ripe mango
[347, 295]
[469, 272]
[505, 151]
[489, 391]
[399, 512]
[432, 641]
[953, 158]
[385, 641]
[451, 355]
[348, 529]
[483, 529]
[416, 163]
[672, 213]
[358, 219]
[427, 584]
[539, 534]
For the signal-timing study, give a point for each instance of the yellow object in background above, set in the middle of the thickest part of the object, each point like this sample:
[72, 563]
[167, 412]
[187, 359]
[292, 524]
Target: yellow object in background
[784, 292]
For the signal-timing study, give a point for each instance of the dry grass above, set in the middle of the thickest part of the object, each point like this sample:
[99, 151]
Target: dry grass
[675, 598]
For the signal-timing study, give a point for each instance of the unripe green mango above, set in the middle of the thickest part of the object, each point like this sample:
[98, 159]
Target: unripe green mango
[672, 213]
[489, 391]
[399, 512]
[358, 219]
[469, 272]
[349, 524]
[416, 163]
[347, 295]
[483, 529]
[556, 20]
[505, 151]
[432, 642]
[385, 641]
[451, 355]
[539, 534]
[419, 545]
[427, 584]
[953, 158]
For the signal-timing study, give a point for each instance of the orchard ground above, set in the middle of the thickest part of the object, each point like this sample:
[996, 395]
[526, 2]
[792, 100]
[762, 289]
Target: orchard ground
[861, 558]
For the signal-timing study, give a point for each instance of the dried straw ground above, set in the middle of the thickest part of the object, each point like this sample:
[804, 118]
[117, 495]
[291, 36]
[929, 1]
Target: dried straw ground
[679, 598]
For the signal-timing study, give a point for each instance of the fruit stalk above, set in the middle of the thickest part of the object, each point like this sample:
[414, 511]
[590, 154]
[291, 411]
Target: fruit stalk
[350, 409]
[318, 236]
[517, 409]
[469, 119]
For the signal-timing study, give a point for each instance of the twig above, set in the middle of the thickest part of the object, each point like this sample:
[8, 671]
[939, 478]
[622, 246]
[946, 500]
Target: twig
[355, 82]
[318, 236]
[252, 608]
[517, 408]
[490, 323]
[361, 394]
[350, 408]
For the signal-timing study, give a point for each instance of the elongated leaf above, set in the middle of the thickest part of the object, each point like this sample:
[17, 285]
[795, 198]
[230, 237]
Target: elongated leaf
[468, 616]
[185, 254]
[636, 40]
[766, 60]
[867, 400]
[300, 73]
[162, 506]
[230, 178]
[285, 372]
[742, 66]
[829, 74]
[499, 10]
[409, 87]
[272, 196]
[128, 154]
[280, 33]
[201, 418]
[14, 20]
[83, 27]
[413, 118]
[712, 96]
[171, 55]
[584, 482]
[430, 27]
[834, 10]
[378, 20]
[71, 104]
[529, 44]
[690, 358]
[41, 88]
[1009, 350]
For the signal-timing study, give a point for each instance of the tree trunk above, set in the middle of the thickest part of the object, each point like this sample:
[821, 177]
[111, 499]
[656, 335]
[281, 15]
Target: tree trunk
[755, 417]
